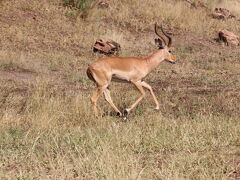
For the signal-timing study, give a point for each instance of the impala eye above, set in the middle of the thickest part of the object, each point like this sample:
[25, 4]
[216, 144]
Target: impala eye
[170, 51]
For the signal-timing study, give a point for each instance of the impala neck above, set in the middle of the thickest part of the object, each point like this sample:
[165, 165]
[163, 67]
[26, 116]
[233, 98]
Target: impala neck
[155, 59]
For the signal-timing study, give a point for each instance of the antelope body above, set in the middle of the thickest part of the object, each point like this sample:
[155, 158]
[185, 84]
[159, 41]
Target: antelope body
[130, 69]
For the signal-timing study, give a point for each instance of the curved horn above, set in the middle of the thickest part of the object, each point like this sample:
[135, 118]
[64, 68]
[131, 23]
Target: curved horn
[169, 38]
[155, 28]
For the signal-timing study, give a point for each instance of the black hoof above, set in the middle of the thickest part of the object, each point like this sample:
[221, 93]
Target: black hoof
[125, 112]
[119, 114]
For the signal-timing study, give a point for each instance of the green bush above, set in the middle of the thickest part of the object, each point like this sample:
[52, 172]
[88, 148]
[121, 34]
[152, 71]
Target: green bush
[79, 4]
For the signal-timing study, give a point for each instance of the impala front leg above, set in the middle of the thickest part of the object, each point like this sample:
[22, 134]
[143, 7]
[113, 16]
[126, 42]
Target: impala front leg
[144, 84]
[140, 88]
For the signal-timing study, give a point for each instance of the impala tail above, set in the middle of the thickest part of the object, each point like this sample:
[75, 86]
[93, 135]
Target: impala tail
[89, 73]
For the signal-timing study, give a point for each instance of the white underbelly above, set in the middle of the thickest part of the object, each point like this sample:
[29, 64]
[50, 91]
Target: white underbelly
[128, 76]
[121, 75]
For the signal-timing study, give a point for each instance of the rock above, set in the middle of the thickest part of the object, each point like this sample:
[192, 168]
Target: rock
[228, 37]
[106, 46]
[218, 16]
[222, 13]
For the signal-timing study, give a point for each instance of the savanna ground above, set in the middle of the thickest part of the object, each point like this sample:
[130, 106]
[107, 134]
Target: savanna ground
[48, 130]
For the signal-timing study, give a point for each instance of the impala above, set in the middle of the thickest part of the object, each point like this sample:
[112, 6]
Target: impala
[130, 69]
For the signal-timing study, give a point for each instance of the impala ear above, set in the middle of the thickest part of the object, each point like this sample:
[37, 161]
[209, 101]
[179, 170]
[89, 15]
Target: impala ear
[159, 43]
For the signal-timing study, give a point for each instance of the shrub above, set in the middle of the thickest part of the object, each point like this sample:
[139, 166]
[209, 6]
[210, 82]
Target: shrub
[81, 5]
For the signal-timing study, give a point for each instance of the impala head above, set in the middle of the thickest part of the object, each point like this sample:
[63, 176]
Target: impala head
[164, 46]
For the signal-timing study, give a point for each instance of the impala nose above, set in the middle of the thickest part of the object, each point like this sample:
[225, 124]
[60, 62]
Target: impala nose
[170, 61]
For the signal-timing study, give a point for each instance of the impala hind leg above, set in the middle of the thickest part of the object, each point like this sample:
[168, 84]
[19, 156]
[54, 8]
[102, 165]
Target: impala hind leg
[144, 84]
[95, 97]
[109, 100]
[140, 88]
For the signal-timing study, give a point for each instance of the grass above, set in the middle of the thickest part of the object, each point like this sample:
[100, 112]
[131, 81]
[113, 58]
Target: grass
[146, 149]
[9, 66]
[48, 130]
[58, 137]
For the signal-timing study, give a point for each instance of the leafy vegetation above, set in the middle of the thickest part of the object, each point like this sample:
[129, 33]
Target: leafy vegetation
[79, 4]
